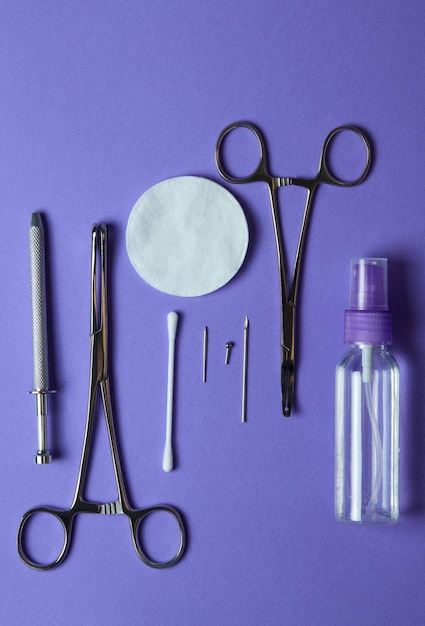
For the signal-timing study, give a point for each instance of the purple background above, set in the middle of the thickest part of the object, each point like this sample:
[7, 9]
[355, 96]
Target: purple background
[98, 102]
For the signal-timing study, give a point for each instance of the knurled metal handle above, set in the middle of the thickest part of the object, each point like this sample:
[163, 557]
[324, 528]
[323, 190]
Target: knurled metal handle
[39, 308]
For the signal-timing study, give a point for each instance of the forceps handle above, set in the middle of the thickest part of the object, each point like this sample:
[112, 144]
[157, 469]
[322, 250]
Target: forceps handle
[325, 174]
[259, 174]
[65, 517]
[138, 517]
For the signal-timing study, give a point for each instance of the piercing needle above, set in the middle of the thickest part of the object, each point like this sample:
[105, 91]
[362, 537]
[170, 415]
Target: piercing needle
[204, 360]
[244, 367]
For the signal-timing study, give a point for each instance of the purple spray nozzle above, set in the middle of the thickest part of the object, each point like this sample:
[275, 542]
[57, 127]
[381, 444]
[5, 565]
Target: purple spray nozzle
[368, 319]
[369, 285]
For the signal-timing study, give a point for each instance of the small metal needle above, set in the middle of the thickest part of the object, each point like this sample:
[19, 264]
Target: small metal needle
[204, 360]
[244, 367]
[229, 346]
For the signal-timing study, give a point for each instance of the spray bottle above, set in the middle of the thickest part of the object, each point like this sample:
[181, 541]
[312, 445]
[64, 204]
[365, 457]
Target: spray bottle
[367, 403]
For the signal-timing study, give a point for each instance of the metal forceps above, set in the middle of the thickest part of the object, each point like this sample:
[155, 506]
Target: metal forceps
[99, 379]
[289, 296]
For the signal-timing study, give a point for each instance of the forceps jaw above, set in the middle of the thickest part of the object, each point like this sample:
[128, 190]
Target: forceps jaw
[99, 324]
[287, 382]
[287, 348]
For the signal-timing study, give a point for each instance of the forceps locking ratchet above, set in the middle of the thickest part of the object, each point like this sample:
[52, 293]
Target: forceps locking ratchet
[288, 293]
[99, 379]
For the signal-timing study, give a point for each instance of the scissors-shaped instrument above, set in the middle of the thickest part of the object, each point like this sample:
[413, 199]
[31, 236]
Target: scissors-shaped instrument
[99, 379]
[289, 296]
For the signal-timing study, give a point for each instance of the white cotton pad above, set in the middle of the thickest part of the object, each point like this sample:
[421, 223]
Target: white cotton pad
[187, 236]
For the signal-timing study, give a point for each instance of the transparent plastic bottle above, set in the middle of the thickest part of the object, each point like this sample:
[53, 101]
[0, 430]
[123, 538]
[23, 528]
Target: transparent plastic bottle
[367, 404]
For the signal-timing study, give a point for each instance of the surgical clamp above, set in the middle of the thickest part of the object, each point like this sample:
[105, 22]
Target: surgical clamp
[99, 379]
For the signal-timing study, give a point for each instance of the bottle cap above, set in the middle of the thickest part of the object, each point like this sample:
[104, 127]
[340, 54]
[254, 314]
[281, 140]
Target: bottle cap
[368, 319]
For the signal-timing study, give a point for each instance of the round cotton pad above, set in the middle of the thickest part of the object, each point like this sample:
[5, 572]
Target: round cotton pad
[187, 236]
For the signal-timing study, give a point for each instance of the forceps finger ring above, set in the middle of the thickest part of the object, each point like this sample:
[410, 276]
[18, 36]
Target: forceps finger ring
[139, 517]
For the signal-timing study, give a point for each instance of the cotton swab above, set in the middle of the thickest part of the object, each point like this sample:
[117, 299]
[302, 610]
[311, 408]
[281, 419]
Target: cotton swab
[167, 462]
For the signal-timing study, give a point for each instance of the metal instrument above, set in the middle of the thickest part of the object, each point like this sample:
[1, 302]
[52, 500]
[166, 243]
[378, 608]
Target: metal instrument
[99, 380]
[288, 293]
[229, 346]
[204, 355]
[39, 335]
[244, 366]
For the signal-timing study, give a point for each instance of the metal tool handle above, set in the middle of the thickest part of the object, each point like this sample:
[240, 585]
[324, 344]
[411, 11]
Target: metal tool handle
[39, 333]
[39, 308]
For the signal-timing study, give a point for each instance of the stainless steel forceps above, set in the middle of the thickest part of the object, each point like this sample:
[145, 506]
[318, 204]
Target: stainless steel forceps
[99, 379]
[288, 296]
